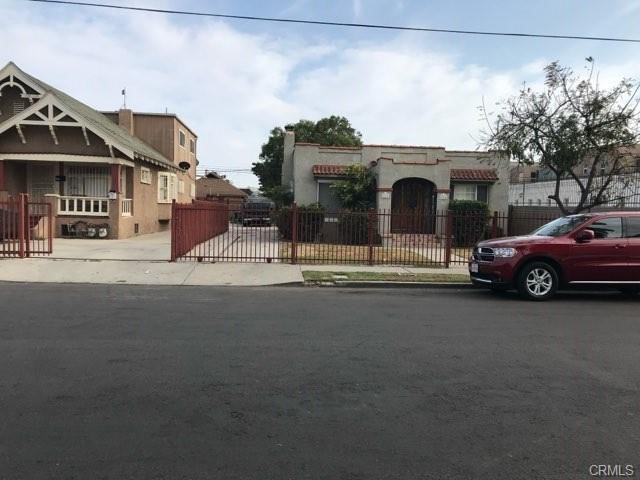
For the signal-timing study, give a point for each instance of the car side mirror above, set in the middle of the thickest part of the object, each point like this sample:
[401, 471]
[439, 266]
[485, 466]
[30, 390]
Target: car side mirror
[585, 235]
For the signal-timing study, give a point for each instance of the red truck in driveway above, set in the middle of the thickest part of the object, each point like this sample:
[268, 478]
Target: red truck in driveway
[591, 248]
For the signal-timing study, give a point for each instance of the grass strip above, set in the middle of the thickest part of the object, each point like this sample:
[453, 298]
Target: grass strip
[321, 276]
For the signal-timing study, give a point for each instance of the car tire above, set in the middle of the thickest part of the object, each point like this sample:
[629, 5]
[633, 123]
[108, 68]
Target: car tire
[537, 281]
[629, 290]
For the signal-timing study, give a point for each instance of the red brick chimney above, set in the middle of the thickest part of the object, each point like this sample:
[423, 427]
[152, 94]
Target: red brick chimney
[125, 119]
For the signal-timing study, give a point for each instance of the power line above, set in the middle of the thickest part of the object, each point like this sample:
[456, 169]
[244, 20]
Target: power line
[343, 24]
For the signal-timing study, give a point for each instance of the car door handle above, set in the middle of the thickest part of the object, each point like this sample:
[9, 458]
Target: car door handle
[621, 245]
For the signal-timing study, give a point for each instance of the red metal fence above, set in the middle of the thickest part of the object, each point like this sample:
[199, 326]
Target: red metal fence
[25, 227]
[193, 224]
[210, 232]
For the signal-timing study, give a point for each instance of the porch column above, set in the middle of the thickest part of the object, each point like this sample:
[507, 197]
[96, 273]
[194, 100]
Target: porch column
[383, 200]
[115, 178]
[442, 205]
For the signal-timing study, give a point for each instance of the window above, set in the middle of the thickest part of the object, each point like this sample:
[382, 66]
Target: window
[193, 190]
[163, 188]
[182, 139]
[192, 146]
[167, 187]
[633, 227]
[470, 191]
[180, 186]
[145, 175]
[607, 228]
[83, 181]
[327, 197]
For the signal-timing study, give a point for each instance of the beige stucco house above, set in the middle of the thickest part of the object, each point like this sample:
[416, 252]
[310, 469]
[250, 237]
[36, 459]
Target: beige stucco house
[409, 178]
[122, 169]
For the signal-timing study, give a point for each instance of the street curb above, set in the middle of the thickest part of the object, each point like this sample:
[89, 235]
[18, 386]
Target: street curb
[385, 284]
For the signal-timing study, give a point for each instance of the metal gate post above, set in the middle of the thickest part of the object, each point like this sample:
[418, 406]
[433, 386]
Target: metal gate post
[370, 219]
[174, 221]
[494, 225]
[21, 225]
[294, 233]
[449, 240]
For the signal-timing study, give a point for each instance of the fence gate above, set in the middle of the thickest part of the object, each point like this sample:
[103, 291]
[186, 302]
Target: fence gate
[26, 228]
[209, 231]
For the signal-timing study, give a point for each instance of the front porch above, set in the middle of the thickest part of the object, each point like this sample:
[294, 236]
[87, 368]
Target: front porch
[89, 197]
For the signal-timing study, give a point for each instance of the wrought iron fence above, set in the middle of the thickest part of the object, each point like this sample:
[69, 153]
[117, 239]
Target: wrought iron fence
[206, 231]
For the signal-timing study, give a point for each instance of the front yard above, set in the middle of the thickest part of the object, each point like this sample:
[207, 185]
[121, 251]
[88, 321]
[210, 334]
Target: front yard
[332, 253]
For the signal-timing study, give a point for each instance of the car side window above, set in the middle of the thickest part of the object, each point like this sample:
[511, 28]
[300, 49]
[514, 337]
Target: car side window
[606, 228]
[633, 227]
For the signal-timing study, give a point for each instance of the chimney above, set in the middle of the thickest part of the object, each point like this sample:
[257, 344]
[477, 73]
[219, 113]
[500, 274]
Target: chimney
[125, 119]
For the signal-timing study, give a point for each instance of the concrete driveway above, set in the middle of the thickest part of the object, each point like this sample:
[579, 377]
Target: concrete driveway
[154, 246]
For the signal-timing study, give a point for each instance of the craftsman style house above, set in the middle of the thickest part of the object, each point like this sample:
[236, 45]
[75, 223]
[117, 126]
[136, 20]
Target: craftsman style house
[121, 169]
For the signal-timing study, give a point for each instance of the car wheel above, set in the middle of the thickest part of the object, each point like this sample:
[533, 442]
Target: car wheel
[629, 290]
[538, 281]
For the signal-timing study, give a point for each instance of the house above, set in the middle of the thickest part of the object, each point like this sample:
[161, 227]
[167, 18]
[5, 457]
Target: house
[409, 178]
[120, 169]
[213, 187]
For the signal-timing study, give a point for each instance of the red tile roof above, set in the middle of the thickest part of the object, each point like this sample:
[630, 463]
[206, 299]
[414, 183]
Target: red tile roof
[473, 175]
[329, 170]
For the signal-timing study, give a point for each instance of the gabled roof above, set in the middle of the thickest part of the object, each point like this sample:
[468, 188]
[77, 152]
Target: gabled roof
[217, 187]
[474, 175]
[94, 120]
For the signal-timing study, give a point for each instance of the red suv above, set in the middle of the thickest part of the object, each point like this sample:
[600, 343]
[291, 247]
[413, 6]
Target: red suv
[590, 248]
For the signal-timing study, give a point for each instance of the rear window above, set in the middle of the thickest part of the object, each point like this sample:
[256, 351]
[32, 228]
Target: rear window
[633, 227]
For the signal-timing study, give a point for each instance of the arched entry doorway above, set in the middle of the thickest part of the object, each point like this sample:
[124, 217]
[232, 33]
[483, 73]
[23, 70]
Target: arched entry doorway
[413, 203]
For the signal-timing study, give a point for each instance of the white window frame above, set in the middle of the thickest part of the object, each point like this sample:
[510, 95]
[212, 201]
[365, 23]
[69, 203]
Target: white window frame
[475, 190]
[192, 145]
[180, 186]
[145, 175]
[182, 134]
[193, 190]
[171, 187]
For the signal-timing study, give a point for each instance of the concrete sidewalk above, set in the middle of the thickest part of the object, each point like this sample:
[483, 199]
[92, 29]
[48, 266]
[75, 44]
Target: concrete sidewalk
[147, 273]
[49, 270]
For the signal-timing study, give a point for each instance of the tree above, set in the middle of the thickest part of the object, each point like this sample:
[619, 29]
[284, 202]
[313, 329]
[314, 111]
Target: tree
[574, 124]
[333, 130]
[357, 191]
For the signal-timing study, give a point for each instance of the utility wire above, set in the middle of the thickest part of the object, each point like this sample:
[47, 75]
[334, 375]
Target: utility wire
[344, 24]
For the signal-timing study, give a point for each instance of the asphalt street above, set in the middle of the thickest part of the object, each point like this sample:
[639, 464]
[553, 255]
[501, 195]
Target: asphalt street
[119, 382]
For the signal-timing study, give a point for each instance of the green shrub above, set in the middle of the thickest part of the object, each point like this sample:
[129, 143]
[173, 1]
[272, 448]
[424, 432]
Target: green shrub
[310, 222]
[470, 219]
[353, 229]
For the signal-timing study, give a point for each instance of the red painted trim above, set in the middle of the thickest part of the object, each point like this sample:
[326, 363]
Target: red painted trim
[115, 178]
[443, 190]
[385, 189]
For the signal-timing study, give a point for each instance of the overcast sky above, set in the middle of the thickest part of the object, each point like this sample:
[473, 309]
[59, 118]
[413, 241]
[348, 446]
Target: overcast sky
[232, 81]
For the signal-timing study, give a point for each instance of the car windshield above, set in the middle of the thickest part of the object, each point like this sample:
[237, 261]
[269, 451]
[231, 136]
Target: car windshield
[561, 226]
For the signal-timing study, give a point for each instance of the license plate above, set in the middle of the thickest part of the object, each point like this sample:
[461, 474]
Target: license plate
[474, 268]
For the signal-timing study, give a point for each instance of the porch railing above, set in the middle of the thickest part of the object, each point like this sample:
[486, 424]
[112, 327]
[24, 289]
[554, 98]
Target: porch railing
[127, 207]
[85, 206]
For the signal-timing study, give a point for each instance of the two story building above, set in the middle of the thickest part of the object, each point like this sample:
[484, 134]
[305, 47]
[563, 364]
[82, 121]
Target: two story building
[119, 169]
